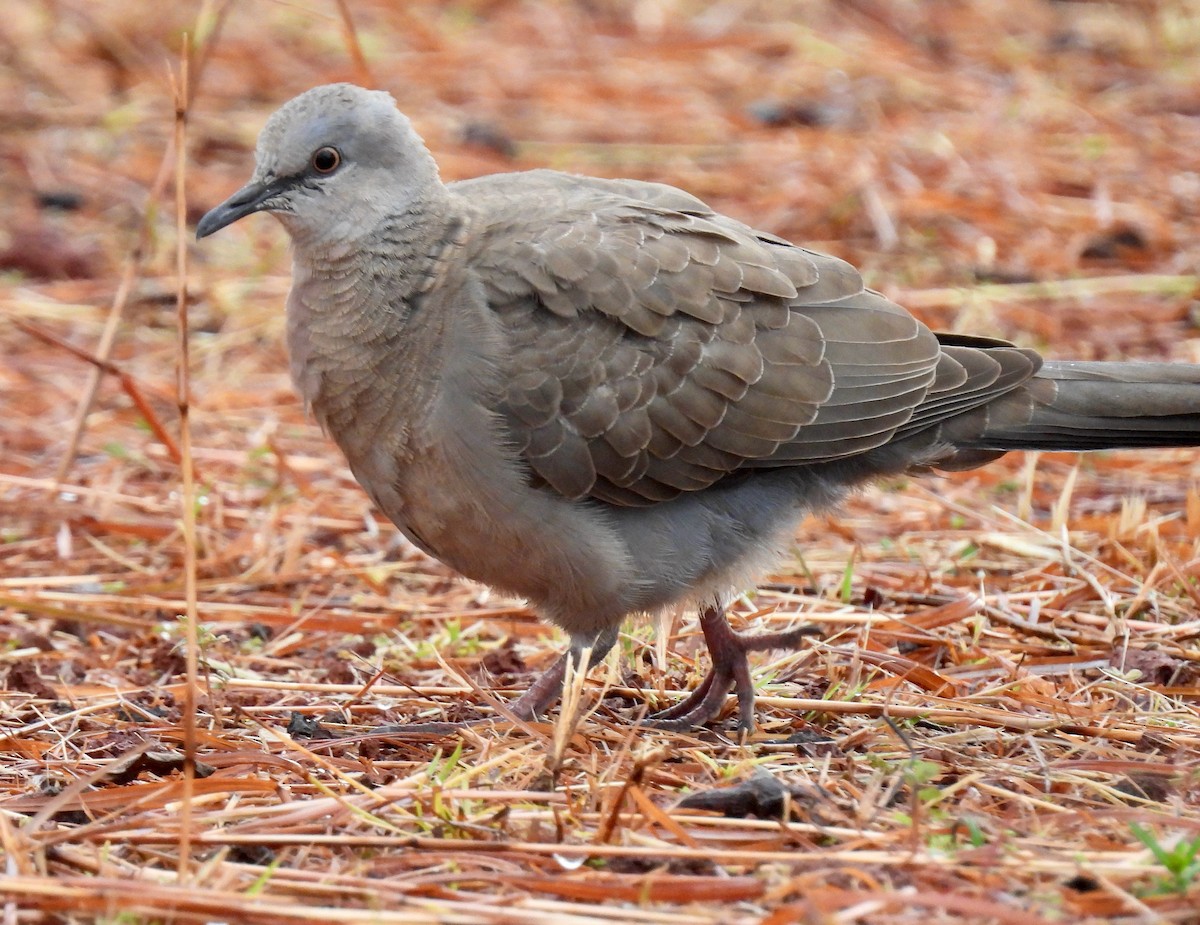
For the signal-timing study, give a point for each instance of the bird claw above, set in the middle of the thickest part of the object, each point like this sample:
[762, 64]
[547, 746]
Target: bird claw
[730, 671]
[542, 693]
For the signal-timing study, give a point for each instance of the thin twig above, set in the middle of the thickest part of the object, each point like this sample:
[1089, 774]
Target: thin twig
[350, 34]
[128, 383]
[187, 474]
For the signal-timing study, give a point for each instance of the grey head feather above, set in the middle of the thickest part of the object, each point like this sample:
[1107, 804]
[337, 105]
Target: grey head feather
[378, 168]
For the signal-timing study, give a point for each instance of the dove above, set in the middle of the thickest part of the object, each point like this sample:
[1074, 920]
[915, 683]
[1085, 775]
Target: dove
[609, 399]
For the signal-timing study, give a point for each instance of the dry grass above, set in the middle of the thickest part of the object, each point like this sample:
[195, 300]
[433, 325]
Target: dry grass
[1005, 690]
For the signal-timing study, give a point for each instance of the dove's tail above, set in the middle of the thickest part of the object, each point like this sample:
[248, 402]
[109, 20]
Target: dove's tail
[1069, 405]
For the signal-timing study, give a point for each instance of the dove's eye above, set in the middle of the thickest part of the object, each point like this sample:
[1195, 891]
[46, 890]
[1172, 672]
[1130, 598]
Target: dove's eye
[326, 160]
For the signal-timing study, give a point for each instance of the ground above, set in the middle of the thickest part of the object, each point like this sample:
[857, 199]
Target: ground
[998, 721]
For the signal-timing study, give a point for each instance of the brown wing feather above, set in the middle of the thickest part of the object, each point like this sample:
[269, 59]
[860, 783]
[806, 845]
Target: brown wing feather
[657, 347]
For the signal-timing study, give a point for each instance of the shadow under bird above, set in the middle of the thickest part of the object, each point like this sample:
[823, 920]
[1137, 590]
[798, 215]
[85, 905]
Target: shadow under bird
[607, 398]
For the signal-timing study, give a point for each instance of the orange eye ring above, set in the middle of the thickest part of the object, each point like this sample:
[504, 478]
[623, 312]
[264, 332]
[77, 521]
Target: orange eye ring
[326, 160]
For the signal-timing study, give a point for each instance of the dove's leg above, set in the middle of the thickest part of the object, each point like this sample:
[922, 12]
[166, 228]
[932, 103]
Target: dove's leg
[730, 671]
[546, 690]
[540, 696]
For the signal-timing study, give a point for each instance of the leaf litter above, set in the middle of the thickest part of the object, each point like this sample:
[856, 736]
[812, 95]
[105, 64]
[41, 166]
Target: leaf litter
[998, 722]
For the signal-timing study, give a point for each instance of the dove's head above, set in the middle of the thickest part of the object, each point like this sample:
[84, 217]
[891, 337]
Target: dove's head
[329, 164]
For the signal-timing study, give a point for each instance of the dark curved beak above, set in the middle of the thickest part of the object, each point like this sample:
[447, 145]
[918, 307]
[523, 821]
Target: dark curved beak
[249, 199]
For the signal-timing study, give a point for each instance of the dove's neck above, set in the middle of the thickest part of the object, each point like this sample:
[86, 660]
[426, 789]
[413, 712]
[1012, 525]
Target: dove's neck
[365, 322]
